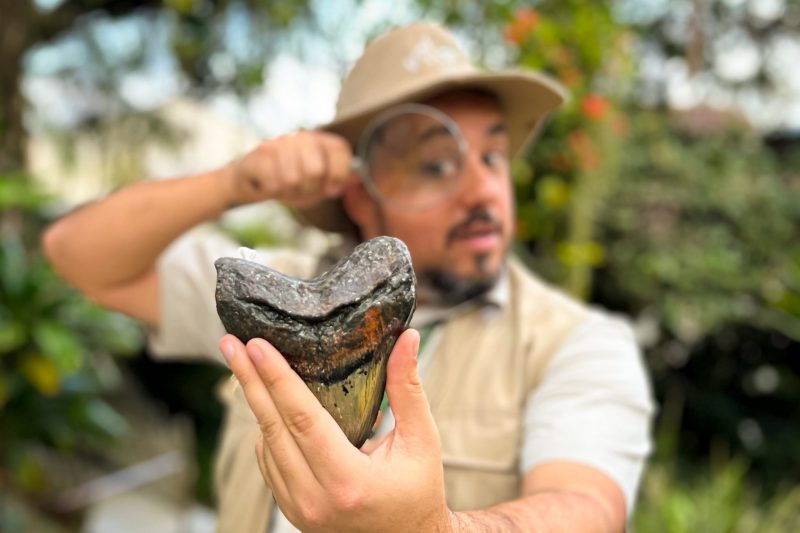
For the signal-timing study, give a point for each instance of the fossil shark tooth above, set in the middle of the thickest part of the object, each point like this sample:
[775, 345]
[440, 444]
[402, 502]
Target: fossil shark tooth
[336, 331]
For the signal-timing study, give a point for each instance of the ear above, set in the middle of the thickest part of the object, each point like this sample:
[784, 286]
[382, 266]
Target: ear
[361, 208]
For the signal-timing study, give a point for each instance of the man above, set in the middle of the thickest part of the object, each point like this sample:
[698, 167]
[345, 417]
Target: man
[535, 409]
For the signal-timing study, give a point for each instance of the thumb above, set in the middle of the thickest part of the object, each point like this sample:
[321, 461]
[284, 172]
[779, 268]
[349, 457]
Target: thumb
[412, 414]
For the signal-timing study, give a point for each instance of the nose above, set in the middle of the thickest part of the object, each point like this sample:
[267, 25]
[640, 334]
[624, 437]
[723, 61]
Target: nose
[480, 183]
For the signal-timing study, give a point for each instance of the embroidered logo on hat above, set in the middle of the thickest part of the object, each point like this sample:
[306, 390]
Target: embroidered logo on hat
[430, 54]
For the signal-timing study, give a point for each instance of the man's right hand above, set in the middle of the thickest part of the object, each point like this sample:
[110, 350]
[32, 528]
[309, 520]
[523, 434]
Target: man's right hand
[108, 249]
[298, 169]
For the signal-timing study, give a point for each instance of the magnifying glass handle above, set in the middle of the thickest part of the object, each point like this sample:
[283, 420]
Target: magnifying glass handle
[357, 164]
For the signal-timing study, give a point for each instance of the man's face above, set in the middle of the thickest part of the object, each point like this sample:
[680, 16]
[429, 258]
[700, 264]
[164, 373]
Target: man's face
[458, 245]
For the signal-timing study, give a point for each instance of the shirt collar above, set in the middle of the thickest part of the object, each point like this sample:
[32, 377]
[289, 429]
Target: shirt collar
[489, 305]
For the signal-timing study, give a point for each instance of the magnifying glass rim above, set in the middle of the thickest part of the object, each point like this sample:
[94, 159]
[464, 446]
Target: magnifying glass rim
[381, 119]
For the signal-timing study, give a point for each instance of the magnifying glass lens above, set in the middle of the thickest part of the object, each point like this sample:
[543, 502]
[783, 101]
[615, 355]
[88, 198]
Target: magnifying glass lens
[412, 157]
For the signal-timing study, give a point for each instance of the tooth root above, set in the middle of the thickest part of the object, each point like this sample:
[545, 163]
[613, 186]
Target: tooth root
[336, 331]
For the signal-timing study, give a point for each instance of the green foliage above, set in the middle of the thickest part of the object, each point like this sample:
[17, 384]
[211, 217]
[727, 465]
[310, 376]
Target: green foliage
[55, 353]
[698, 226]
[562, 197]
[680, 493]
[16, 193]
[704, 230]
[693, 232]
[200, 34]
[720, 501]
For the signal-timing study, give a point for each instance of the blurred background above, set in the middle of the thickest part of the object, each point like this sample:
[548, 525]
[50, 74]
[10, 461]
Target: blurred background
[667, 189]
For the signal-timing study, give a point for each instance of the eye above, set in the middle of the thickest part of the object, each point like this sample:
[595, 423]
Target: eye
[494, 159]
[438, 169]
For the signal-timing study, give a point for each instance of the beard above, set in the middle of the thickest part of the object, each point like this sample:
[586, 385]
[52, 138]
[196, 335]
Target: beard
[441, 287]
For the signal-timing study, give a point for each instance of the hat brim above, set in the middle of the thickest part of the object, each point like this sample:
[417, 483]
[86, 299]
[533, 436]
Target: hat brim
[526, 98]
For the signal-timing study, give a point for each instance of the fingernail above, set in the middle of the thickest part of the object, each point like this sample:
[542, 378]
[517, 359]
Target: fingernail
[228, 350]
[255, 352]
[415, 349]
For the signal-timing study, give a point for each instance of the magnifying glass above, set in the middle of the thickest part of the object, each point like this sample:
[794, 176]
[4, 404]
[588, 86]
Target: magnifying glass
[411, 157]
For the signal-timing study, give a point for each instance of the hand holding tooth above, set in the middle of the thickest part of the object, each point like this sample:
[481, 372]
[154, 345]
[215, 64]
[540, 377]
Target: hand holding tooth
[298, 169]
[316, 388]
[319, 480]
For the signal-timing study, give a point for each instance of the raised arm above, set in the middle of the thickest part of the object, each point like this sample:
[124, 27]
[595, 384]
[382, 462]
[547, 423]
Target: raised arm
[108, 249]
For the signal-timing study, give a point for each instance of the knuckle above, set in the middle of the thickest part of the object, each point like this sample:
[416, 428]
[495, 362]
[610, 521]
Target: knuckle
[246, 379]
[414, 386]
[300, 422]
[343, 147]
[337, 148]
[266, 149]
[271, 429]
[291, 177]
[271, 182]
[333, 140]
[348, 499]
[314, 166]
[272, 380]
[314, 515]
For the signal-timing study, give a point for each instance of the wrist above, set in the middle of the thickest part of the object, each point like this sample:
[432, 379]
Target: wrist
[226, 191]
[449, 522]
[456, 522]
[452, 523]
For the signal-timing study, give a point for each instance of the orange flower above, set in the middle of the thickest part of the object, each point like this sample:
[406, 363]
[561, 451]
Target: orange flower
[621, 125]
[524, 22]
[570, 76]
[561, 56]
[560, 162]
[586, 150]
[594, 106]
[521, 229]
[578, 139]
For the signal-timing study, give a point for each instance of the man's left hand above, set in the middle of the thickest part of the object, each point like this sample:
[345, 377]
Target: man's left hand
[319, 479]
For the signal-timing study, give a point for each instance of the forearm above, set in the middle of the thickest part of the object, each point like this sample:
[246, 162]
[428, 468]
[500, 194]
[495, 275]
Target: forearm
[117, 239]
[544, 511]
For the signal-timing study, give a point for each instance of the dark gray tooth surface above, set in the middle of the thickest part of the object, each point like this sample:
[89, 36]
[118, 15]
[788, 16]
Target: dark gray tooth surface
[336, 331]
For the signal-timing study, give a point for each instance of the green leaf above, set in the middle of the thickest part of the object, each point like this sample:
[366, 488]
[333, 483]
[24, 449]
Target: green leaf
[41, 373]
[4, 394]
[105, 419]
[12, 336]
[16, 191]
[13, 266]
[59, 345]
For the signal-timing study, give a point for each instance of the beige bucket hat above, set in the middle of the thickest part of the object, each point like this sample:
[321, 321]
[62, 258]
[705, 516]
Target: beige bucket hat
[417, 62]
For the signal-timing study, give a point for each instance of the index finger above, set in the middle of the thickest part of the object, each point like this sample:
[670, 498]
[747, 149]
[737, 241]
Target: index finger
[325, 447]
[339, 158]
[289, 460]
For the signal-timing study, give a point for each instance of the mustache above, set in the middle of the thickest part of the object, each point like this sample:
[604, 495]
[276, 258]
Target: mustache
[479, 215]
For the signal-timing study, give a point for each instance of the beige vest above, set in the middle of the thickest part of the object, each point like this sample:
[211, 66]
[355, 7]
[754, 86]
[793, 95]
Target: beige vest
[477, 383]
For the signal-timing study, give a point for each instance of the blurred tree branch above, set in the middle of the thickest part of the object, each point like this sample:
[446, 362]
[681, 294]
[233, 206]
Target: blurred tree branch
[51, 24]
[24, 26]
